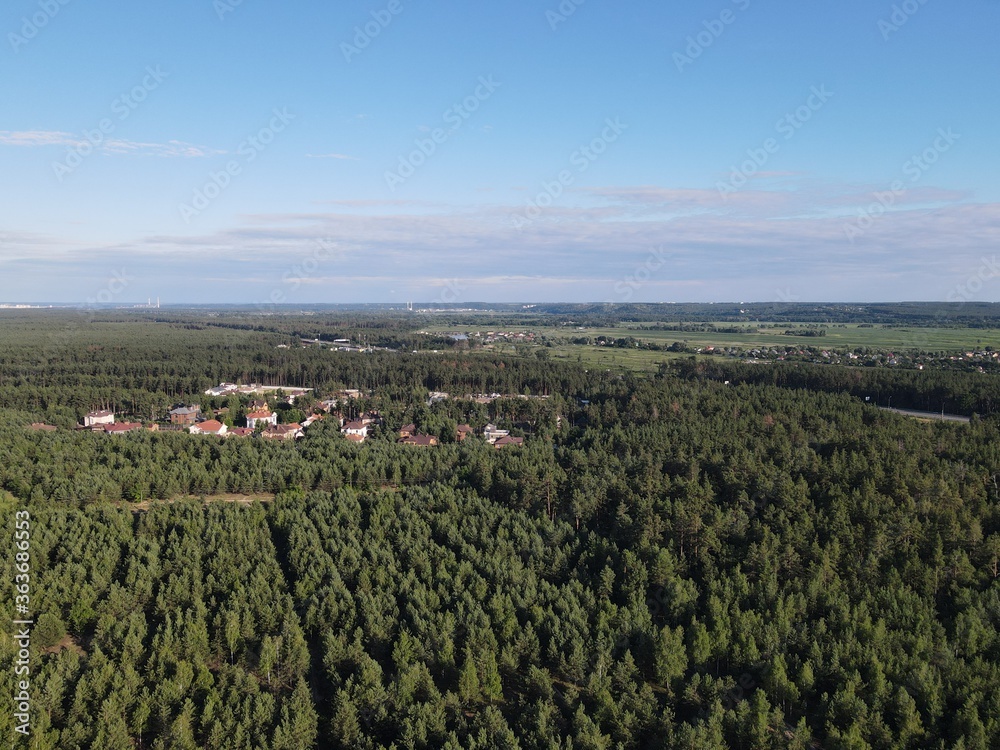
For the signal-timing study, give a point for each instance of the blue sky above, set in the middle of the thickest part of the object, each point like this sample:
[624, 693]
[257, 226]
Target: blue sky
[736, 150]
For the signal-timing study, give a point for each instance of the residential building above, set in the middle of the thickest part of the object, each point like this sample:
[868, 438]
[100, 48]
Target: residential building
[185, 415]
[263, 417]
[421, 440]
[98, 418]
[507, 440]
[463, 432]
[121, 427]
[283, 432]
[357, 428]
[208, 427]
[407, 430]
[222, 389]
[492, 434]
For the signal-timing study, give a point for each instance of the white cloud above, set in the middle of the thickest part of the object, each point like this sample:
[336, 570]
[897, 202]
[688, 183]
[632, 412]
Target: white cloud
[40, 138]
[332, 156]
[579, 253]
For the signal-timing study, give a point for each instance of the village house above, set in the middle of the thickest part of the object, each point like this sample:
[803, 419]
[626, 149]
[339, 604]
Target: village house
[208, 427]
[263, 417]
[312, 419]
[355, 438]
[421, 440]
[462, 432]
[356, 429]
[240, 432]
[122, 427]
[42, 427]
[507, 440]
[95, 418]
[492, 434]
[222, 389]
[283, 432]
[407, 430]
[185, 415]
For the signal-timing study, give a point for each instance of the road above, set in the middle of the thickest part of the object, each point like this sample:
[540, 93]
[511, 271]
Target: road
[928, 415]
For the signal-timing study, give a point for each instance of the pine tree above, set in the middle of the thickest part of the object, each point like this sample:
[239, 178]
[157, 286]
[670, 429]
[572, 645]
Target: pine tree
[468, 680]
[489, 679]
[670, 656]
[299, 723]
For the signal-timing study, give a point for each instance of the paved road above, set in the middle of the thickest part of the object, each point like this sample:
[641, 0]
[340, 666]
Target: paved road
[928, 415]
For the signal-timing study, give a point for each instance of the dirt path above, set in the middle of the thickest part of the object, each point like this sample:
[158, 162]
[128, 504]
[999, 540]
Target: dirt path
[264, 497]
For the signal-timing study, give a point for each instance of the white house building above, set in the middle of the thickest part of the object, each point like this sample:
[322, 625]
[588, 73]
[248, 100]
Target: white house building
[264, 417]
[209, 427]
[99, 417]
[492, 434]
[356, 428]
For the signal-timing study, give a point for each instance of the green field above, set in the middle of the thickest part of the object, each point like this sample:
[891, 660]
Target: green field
[850, 336]
[837, 337]
[841, 337]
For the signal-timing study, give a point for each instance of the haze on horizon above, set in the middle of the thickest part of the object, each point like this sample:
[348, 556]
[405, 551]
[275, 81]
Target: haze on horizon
[235, 151]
